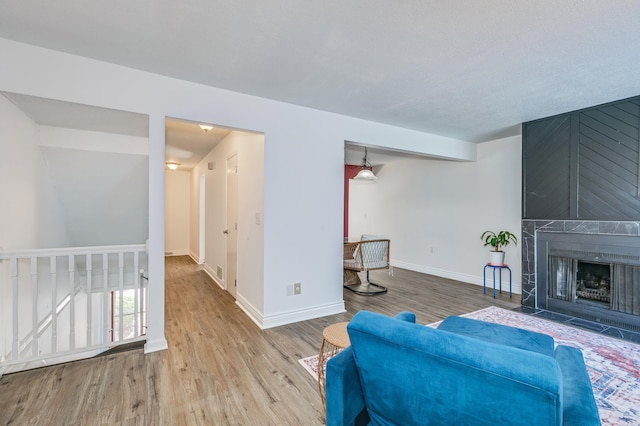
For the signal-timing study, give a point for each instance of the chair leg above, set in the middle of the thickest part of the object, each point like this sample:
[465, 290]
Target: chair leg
[364, 289]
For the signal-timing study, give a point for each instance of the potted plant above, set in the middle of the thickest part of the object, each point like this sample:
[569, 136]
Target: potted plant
[497, 241]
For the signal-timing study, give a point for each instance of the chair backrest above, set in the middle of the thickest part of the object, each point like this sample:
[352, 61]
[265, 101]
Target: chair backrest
[367, 237]
[374, 254]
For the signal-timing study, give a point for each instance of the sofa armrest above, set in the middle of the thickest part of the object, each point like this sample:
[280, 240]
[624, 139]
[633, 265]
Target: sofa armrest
[345, 403]
[578, 404]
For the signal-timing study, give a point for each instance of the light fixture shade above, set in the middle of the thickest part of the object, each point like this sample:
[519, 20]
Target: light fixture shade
[172, 165]
[205, 128]
[365, 174]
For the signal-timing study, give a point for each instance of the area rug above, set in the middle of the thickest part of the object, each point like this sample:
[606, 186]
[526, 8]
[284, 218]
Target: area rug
[613, 364]
[310, 364]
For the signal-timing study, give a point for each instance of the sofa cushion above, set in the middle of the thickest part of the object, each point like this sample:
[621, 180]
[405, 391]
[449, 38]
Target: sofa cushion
[411, 374]
[502, 334]
[406, 316]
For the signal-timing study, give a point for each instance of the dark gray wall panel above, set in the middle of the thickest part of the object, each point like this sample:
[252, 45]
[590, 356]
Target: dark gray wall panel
[546, 153]
[584, 164]
[609, 150]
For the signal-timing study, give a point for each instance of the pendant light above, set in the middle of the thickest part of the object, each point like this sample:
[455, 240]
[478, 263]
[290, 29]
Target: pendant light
[365, 174]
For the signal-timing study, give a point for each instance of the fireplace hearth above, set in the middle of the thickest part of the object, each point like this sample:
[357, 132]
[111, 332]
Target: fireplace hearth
[572, 268]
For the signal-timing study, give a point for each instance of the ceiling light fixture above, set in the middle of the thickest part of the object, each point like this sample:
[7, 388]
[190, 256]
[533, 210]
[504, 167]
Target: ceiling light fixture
[172, 165]
[365, 174]
[205, 128]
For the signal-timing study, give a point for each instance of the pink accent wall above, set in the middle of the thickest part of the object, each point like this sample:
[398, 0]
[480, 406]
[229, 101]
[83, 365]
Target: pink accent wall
[350, 171]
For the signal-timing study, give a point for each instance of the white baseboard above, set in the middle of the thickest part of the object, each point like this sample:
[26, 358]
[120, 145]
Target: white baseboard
[155, 345]
[198, 260]
[184, 252]
[471, 279]
[213, 276]
[252, 312]
[51, 360]
[284, 318]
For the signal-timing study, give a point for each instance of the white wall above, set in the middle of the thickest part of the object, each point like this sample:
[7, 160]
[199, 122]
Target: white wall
[302, 212]
[215, 207]
[102, 183]
[435, 211]
[26, 190]
[249, 148]
[177, 212]
[25, 193]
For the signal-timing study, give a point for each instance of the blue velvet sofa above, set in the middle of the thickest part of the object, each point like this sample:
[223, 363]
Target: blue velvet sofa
[466, 372]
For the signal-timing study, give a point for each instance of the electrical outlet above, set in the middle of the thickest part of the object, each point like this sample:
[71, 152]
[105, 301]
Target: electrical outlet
[297, 288]
[290, 290]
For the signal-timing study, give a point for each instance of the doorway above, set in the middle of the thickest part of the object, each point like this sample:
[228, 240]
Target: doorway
[232, 224]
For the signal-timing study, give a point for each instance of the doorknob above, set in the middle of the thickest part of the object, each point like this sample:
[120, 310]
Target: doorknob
[225, 231]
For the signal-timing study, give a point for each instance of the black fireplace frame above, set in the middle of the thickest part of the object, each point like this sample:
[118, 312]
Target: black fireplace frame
[620, 249]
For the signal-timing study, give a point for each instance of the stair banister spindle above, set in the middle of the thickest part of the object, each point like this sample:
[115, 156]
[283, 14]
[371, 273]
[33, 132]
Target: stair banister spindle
[54, 303]
[144, 285]
[136, 286]
[14, 282]
[105, 297]
[72, 302]
[89, 268]
[120, 301]
[34, 306]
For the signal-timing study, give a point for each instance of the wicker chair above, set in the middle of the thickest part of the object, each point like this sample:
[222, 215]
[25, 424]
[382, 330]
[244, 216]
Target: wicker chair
[370, 253]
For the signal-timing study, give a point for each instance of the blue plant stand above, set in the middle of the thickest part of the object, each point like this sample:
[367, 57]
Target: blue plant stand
[499, 268]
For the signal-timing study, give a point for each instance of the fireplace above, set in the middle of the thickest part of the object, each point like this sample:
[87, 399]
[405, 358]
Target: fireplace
[595, 277]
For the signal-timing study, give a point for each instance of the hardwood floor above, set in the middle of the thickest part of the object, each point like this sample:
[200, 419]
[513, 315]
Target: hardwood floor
[220, 367]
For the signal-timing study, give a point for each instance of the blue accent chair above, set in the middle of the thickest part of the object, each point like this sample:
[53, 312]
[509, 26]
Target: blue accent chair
[466, 372]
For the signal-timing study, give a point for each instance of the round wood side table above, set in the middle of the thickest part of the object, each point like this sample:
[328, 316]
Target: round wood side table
[334, 339]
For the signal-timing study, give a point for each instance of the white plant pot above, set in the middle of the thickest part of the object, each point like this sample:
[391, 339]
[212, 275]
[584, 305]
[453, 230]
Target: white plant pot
[496, 257]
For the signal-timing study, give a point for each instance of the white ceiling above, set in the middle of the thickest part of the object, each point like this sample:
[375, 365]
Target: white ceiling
[467, 70]
[186, 143]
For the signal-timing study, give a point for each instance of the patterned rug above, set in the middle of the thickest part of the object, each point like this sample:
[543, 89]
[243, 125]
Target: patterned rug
[310, 364]
[613, 364]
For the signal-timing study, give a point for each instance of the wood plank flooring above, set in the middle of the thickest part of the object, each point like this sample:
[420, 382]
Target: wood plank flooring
[220, 367]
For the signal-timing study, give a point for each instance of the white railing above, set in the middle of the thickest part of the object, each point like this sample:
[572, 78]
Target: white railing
[64, 304]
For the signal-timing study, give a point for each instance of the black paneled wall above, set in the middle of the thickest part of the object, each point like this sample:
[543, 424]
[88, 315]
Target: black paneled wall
[584, 164]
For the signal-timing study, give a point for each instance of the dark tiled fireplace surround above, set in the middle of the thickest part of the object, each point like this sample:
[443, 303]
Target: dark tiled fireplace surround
[529, 229]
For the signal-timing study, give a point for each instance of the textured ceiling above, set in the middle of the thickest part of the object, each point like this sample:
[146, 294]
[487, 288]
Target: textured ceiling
[466, 70]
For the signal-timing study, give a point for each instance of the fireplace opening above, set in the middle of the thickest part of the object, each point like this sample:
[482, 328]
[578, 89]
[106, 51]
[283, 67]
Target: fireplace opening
[578, 281]
[593, 283]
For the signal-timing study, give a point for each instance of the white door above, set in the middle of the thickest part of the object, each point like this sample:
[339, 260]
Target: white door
[232, 224]
[201, 217]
